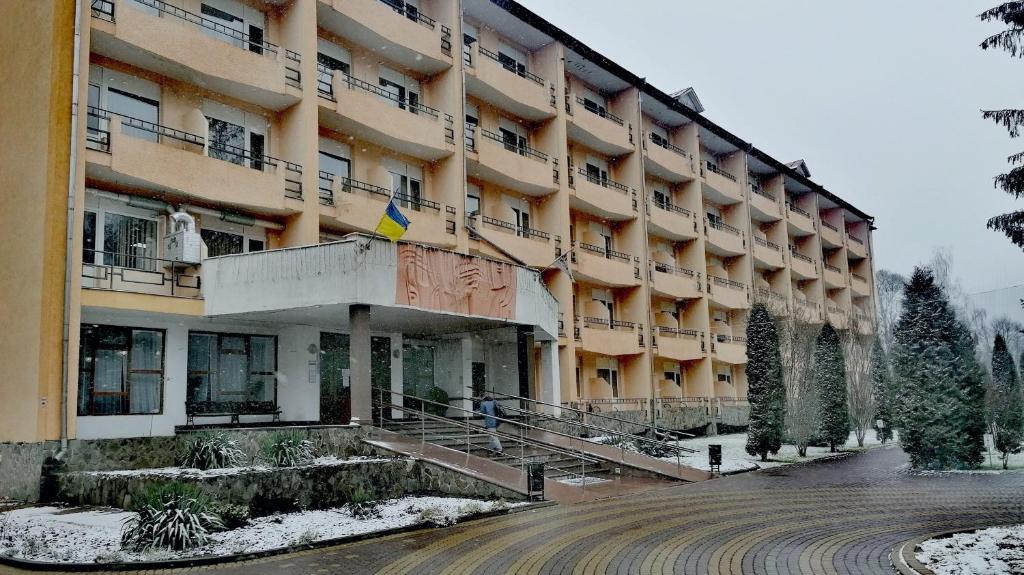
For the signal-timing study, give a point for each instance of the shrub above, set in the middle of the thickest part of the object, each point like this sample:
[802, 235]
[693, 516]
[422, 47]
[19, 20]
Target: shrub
[307, 537]
[361, 505]
[436, 517]
[437, 395]
[212, 450]
[231, 515]
[172, 516]
[288, 449]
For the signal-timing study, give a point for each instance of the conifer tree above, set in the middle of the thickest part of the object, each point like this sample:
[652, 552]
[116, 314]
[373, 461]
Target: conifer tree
[1008, 406]
[882, 387]
[1012, 182]
[766, 391]
[830, 378]
[971, 410]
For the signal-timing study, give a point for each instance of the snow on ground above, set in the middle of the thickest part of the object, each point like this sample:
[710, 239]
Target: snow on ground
[220, 472]
[581, 481]
[735, 457]
[86, 535]
[993, 551]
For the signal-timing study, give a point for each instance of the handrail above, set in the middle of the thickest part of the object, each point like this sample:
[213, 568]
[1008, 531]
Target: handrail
[722, 226]
[674, 270]
[800, 256]
[829, 225]
[591, 425]
[757, 189]
[146, 126]
[103, 9]
[794, 208]
[663, 143]
[599, 112]
[713, 167]
[669, 206]
[515, 228]
[728, 282]
[677, 331]
[250, 44]
[148, 272]
[352, 82]
[514, 147]
[767, 243]
[859, 277]
[723, 338]
[604, 182]
[411, 12]
[510, 66]
[832, 268]
[855, 238]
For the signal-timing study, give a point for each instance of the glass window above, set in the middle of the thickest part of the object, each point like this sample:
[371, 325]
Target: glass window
[256, 245]
[120, 370]
[337, 166]
[220, 243]
[472, 204]
[89, 238]
[227, 141]
[129, 242]
[139, 111]
[231, 368]
[406, 190]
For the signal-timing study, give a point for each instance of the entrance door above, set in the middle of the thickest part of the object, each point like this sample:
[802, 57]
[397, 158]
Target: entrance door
[479, 383]
[417, 372]
[335, 390]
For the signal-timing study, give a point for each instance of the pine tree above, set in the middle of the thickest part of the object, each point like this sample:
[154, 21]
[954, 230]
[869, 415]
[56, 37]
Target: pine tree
[939, 392]
[1012, 41]
[766, 391]
[1007, 405]
[882, 388]
[830, 378]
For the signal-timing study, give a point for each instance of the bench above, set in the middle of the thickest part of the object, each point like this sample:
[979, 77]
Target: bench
[232, 409]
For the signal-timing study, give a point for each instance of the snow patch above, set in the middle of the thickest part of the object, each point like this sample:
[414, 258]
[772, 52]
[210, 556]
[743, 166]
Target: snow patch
[993, 551]
[327, 461]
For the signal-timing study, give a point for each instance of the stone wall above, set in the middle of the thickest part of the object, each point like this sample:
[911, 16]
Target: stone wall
[682, 418]
[735, 415]
[20, 467]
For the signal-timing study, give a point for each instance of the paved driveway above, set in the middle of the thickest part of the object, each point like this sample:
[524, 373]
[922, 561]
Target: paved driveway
[828, 517]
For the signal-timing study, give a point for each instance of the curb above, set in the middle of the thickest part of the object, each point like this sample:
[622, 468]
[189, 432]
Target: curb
[903, 555]
[28, 565]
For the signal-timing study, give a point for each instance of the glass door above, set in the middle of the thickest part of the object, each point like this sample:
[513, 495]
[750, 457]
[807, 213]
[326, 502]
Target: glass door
[335, 388]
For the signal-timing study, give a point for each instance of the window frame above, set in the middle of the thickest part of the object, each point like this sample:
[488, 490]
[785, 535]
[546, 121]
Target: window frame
[248, 353]
[126, 393]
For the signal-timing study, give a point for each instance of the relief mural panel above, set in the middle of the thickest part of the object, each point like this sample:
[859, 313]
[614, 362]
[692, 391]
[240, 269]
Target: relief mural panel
[445, 281]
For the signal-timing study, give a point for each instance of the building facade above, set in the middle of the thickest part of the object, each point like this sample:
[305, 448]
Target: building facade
[614, 236]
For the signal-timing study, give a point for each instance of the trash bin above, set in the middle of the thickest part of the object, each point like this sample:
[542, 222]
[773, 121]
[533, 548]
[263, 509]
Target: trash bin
[535, 480]
[715, 457]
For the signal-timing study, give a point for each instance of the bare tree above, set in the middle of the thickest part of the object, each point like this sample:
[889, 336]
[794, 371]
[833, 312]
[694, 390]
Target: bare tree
[1012, 332]
[859, 385]
[890, 304]
[798, 332]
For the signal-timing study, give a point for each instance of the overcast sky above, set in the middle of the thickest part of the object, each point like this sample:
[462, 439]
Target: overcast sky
[880, 98]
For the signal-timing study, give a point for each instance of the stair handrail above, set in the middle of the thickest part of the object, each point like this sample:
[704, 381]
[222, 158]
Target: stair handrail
[597, 427]
[580, 455]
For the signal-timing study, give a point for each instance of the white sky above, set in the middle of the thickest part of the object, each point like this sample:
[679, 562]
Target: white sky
[880, 98]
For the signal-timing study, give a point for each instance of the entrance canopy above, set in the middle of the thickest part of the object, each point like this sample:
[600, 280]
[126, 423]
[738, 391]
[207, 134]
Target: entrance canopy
[414, 289]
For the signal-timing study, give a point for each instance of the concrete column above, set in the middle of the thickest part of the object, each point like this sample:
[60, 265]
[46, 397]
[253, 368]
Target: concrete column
[360, 363]
[551, 389]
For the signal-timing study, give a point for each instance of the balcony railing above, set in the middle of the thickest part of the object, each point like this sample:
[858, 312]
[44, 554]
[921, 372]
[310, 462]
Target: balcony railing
[669, 206]
[138, 274]
[411, 12]
[511, 66]
[600, 111]
[834, 308]
[800, 256]
[855, 239]
[677, 332]
[325, 88]
[97, 134]
[722, 226]
[832, 268]
[241, 39]
[759, 190]
[514, 146]
[713, 167]
[346, 185]
[725, 282]
[832, 227]
[859, 277]
[794, 208]
[521, 231]
[663, 143]
[766, 293]
[610, 254]
[676, 271]
[722, 338]
[767, 243]
[604, 182]
[103, 9]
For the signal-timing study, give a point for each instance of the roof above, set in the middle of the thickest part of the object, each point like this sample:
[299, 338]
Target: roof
[800, 166]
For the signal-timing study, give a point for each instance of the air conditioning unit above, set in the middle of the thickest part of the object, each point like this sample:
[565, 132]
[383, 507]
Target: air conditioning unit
[183, 246]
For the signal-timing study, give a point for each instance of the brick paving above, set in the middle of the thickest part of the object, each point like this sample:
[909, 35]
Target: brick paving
[832, 517]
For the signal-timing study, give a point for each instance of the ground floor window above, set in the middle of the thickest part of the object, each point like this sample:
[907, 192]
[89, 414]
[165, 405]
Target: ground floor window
[232, 371]
[120, 370]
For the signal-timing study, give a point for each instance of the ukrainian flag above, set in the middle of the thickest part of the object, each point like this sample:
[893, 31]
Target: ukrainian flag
[392, 224]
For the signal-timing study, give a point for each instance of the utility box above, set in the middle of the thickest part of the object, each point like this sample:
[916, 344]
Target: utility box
[715, 457]
[183, 246]
[535, 481]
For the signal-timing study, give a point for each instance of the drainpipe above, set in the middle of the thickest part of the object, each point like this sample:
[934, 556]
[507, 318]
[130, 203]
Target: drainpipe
[70, 228]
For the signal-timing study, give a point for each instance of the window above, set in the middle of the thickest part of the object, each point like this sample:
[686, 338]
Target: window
[231, 21]
[227, 141]
[222, 238]
[120, 370]
[402, 91]
[472, 202]
[406, 190]
[469, 36]
[336, 166]
[512, 58]
[125, 95]
[610, 375]
[231, 130]
[674, 377]
[231, 368]
[89, 238]
[134, 106]
[662, 198]
[129, 241]
[331, 58]
[221, 243]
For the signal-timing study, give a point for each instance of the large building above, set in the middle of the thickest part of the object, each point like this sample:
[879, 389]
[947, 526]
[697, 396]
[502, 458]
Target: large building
[147, 281]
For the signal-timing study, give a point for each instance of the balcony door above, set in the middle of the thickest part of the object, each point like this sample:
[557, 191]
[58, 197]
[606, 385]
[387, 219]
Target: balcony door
[406, 184]
[400, 90]
[233, 22]
[117, 235]
[137, 101]
[236, 136]
[512, 58]
[335, 380]
[513, 135]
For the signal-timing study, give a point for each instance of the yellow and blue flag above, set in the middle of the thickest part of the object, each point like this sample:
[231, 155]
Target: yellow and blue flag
[392, 224]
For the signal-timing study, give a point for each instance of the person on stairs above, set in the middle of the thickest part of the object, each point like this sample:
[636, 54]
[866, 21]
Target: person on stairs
[491, 411]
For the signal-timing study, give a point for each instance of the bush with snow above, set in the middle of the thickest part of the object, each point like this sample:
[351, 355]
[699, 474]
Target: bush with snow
[172, 516]
[362, 505]
[212, 450]
[288, 449]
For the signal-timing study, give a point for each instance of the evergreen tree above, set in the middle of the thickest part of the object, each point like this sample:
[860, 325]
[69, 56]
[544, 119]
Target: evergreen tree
[940, 396]
[766, 391]
[882, 387]
[1012, 41]
[1008, 406]
[830, 378]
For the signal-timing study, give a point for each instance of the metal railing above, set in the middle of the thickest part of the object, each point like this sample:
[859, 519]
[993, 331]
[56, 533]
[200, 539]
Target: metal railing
[722, 226]
[103, 9]
[800, 256]
[138, 274]
[855, 239]
[669, 206]
[600, 112]
[832, 268]
[446, 40]
[606, 253]
[767, 243]
[859, 277]
[411, 12]
[723, 338]
[663, 143]
[346, 185]
[675, 332]
[603, 182]
[521, 231]
[713, 167]
[830, 226]
[325, 87]
[794, 208]
[256, 46]
[674, 270]
[514, 146]
[728, 283]
[292, 72]
[757, 189]
[98, 132]
[511, 66]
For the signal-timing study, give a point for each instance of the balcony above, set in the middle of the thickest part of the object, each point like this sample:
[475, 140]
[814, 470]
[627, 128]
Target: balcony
[859, 285]
[805, 310]
[594, 264]
[802, 266]
[833, 276]
[598, 129]
[604, 198]
[508, 88]
[675, 282]
[531, 246]
[679, 344]
[723, 239]
[763, 203]
[830, 235]
[776, 302]
[188, 47]
[728, 293]
[668, 162]
[359, 206]
[856, 247]
[369, 112]
[837, 316]
[800, 221]
[123, 150]
[768, 253]
[509, 165]
[130, 273]
[608, 337]
[729, 348]
[671, 221]
[408, 37]
[724, 187]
